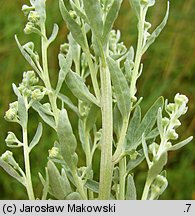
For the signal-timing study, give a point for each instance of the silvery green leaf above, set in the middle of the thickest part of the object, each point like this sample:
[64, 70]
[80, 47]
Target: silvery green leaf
[54, 34]
[180, 144]
[135, 4]
[148, 122]
[74, 196]
[153, 134]
[72, 25]
[22, 111]
[131, 193]
[117, 121]
[133, 126]
[27, 57]
[58, 189]
[94, 14]
[78, 88]
[159, 122]
[67, 139]
[134, 163]
[16, 91]
[121, 87]
[110, 19]
[92, 185]
[65, 66]
[157, 167]
[145, 148]
[12, 172]
[37, 136]
[45, 183]
[81, 133]
[78, 11]
[48, 119]
[92, 117]
[68, 102]
[157, 31]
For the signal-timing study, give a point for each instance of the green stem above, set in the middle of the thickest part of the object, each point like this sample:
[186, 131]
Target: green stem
[79, 184]
[122, 177]
[117, 154]
[146, 190]
[29, 187]
[46, 79]
[106, 166]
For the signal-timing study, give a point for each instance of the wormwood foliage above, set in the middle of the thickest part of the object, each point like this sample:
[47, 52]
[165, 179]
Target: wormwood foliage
[102, 73]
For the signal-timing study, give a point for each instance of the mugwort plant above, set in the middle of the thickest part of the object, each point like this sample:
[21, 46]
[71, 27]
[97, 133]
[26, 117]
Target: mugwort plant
[102, 74]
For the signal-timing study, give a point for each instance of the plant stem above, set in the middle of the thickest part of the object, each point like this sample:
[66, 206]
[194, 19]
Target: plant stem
[106, 166]
[146, 190]
[122, 177]
[29, 187]
[46, 79]
[79, 185]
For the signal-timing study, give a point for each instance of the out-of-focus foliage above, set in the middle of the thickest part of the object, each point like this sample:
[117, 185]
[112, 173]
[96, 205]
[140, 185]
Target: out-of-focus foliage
[169, 67]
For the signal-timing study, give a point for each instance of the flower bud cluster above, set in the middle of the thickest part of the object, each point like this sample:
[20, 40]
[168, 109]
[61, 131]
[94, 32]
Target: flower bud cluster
[12, 113]
[28, 88]
[54, 153]
[33, 19]
[174, 110]
[117, 49]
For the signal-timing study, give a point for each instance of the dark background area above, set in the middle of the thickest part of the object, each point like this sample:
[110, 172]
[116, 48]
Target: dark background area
[169, 68]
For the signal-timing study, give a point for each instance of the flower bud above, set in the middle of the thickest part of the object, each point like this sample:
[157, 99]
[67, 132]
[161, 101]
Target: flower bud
[11, 139]
[73, 14]
[37, 94]
[29, 28]
[26, 9]
[172, 135]
[11, 115]
[165, 121]
[171, 107]
[33, 17]
[55, 153]
[8, 158]
[180, 99]
[64, 48]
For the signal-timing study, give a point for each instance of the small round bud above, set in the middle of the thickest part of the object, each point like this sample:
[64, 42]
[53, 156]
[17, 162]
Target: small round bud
[29, 28]
[180, 99]
[11, 139]
[165, 121]
[134, 155]
[26, 9]
[73, 14]
[171, 107]
[10, 115]
[64, 48]
[37, 94]
[172, 135]
[55, 153]
[33, 17]
[8, 158]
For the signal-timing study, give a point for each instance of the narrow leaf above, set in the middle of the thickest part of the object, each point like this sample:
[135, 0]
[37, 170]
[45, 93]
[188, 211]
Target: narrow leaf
[135, 4]
[94, 13]
[15, 89]
[67, 139]
[180, 144]
[48, 119]
[27, 57]
[72, 25]
[92, 185]
[92, 117]
[76, 84]
[157, 31]
[37, 136]
[22, 111]
[69, 103]
[74, 196]
[145, 148]
[121, 87]
[65, 66]
[11, 171]
[110, 19]
[54, 34]
[157, 167]
[56, 183]
[131, 193]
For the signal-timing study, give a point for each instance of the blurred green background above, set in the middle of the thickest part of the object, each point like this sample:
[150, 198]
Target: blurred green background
[169, 67]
